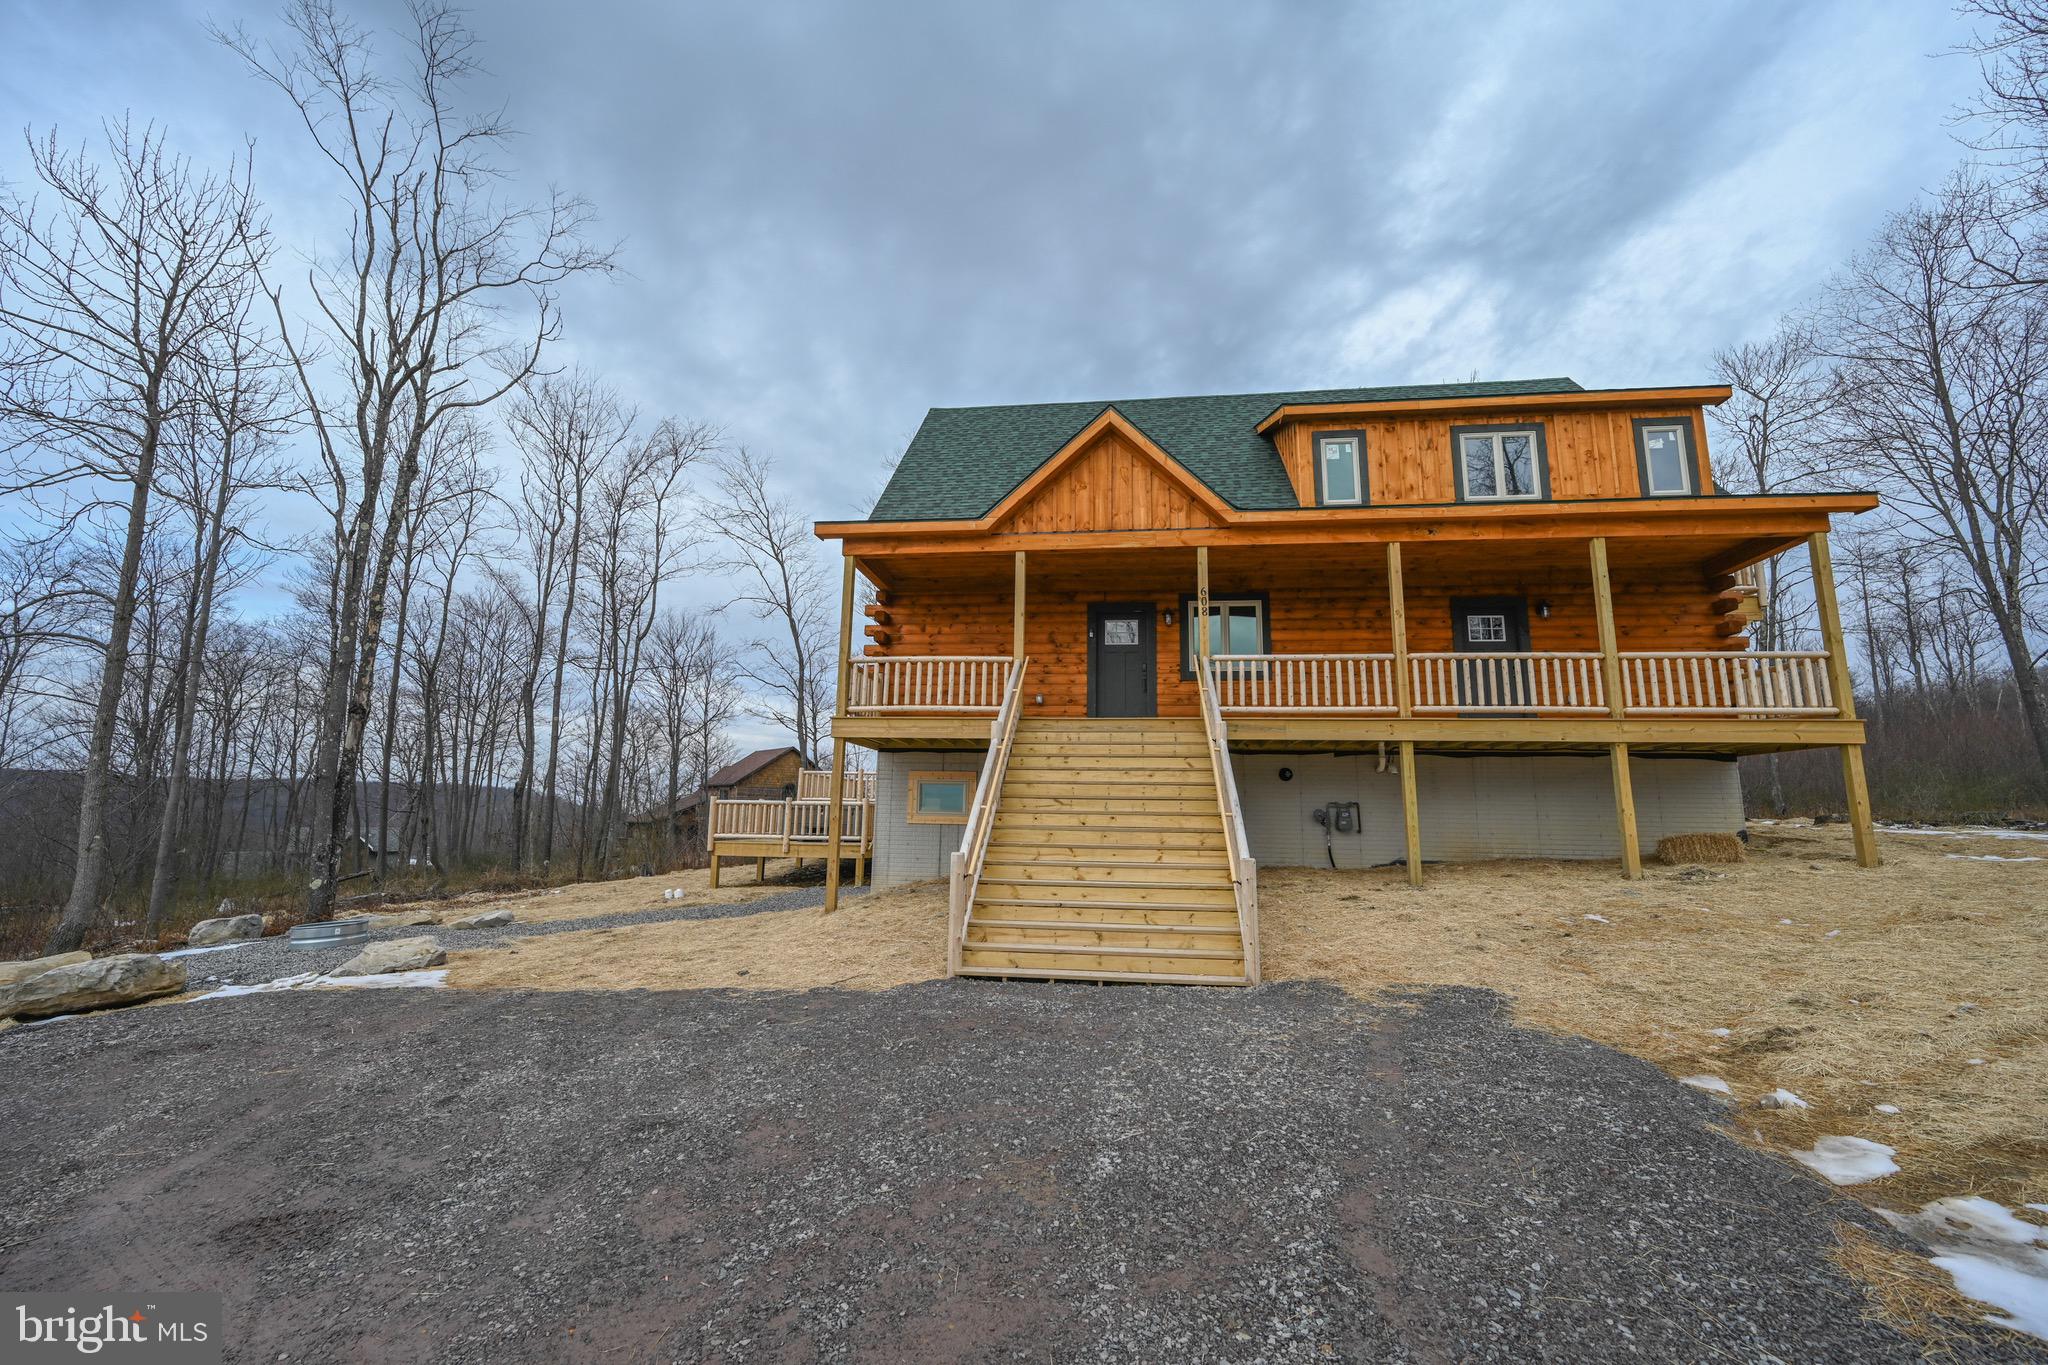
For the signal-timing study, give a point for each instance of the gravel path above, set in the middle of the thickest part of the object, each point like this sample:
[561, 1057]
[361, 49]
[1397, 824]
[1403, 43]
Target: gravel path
[267, 959]
[947, 1171]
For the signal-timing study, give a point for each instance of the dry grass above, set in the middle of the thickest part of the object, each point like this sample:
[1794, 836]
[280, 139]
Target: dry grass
[1908, 1291]
[870, 943]
[1677, 850]
[1880, 989]
[588, 899]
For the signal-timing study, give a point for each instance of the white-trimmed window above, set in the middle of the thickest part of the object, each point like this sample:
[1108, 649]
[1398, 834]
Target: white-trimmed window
[1340, 469]
[1501, 464]
[1236, 626]
[1665, 452]
[940, 798]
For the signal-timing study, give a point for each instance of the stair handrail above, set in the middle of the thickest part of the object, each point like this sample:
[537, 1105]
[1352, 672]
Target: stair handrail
[967, 863]
[1244, 870]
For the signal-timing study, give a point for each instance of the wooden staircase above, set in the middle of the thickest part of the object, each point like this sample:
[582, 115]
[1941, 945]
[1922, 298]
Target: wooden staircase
[1107, 859]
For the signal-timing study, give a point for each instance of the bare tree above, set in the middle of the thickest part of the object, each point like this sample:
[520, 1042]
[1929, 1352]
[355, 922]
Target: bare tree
[770, 548]
[1940, 388]
[1774, 415]
[103, 295]
[220, 455]
[414, 313]
[566, 429]
[639, 536]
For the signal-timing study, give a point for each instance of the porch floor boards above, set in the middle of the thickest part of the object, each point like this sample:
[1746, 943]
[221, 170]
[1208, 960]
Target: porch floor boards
[1106, 861]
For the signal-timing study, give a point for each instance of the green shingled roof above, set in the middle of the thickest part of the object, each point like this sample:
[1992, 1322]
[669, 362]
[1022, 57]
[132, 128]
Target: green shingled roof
[963, 461]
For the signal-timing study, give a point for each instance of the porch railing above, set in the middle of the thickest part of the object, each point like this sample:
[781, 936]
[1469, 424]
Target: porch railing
[1557, 682]
[931, 682]
[1353, 683]
[1777, 682]
[1744, 683]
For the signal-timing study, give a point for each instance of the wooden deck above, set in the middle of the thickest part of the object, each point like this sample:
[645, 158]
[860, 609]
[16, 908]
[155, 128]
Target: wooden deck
[797, 827]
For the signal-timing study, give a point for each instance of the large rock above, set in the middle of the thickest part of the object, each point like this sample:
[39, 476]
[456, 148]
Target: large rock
[398, 955]
[11, 972]
[401, 919]
[483, 919]
[119, 980]
[233, 929]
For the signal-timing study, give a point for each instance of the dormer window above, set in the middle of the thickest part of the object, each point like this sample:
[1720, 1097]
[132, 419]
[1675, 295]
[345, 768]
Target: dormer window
[1500, 464]
[1664, 458]
[1340, 469]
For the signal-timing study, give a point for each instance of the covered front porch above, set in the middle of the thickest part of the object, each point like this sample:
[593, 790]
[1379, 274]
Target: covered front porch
[1616, 644]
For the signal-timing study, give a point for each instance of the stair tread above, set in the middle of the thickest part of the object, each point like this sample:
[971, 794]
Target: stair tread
[1105, 950]
[1089, 903]
[1098, 926]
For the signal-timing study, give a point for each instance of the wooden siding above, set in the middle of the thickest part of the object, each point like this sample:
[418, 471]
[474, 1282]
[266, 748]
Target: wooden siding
[1409, 459]
[1109, 486]
[1315, 608]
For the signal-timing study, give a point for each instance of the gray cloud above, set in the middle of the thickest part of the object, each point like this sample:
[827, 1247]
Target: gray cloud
[837, 215]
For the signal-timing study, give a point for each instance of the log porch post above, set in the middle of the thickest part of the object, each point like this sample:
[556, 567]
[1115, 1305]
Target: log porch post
[1617, 708]
[1017, 614]
[1404, 701]
[835, 807]
[1843, 686]
[1201, 621]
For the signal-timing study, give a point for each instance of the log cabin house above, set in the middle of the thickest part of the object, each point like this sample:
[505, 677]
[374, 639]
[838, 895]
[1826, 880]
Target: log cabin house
[1446, 622]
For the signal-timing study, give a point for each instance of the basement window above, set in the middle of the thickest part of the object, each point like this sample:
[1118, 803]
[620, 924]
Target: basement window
[1664, 458]
[940, 798]
[1340, 469]
[1500, 464]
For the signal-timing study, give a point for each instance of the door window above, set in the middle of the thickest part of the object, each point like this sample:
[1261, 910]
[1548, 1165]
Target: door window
[1485, 629]
[1120, 632]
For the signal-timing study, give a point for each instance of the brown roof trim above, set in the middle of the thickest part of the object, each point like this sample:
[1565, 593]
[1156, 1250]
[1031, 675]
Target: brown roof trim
[1689, 395]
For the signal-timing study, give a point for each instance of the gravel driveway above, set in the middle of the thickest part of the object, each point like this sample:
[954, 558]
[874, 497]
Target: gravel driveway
[954, 1170]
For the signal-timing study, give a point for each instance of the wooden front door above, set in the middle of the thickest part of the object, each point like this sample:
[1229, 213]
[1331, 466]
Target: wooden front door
[1491, 625]
[1122, 656]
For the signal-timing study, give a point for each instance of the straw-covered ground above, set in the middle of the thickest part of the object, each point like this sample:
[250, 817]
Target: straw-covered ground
[1917, 986]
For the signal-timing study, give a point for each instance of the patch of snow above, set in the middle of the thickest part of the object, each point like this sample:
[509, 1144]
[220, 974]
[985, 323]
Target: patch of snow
[2039, 1208]
[1886, 1108]
[1784, 921]
[1720, 1032]
[1974, 1061]
[1970, 832]
[1712, 1084]
[1992, 1256]
[1993, 858]
[211, 948]
[315, 981]
[1849, 1160]
[1832, 932]
[1782, 1099]
[1597, 919]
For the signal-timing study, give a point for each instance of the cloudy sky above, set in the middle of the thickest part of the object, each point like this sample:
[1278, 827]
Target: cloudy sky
[837, 215]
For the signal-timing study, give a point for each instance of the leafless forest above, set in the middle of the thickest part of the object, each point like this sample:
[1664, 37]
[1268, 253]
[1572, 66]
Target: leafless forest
[478, 665]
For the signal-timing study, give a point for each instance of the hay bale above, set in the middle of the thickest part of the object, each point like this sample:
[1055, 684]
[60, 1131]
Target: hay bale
[1677, 849]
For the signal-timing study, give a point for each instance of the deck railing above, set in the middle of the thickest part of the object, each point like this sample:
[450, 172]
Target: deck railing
[815, 784]
[966, 863]
[802, 819]
[1556, 682]
[1777, 682]
[1700, 682]
[1342, 683]
[930, 682]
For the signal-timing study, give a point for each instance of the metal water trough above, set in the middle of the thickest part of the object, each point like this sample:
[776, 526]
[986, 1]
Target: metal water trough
[333, 933]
